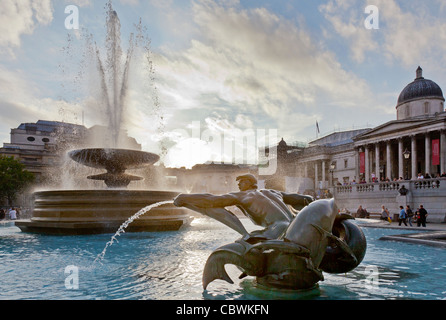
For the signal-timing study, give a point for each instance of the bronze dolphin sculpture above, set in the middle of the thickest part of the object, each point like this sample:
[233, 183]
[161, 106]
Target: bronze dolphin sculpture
[318, 239]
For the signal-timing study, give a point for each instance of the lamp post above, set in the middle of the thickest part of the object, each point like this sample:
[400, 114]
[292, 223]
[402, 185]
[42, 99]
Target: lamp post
[406, 155]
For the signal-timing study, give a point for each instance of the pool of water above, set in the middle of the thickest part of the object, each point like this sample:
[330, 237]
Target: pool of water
[169, 265]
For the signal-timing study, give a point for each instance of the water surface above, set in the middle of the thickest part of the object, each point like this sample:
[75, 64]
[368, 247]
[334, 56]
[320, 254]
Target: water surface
[169, 265]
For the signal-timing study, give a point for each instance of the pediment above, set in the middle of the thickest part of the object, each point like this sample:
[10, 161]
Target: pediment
[395, 128]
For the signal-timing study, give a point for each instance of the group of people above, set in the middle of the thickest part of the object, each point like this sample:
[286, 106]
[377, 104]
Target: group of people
[428, 176]
[13, 213]
[407, 215]
[362, 213]
[375, 179]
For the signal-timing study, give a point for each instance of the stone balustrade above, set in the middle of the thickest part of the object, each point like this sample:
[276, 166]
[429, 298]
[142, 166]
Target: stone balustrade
[429, 192]
[423, 184]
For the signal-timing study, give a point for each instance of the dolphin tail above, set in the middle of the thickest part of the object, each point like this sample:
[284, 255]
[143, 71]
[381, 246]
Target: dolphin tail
[233, 253]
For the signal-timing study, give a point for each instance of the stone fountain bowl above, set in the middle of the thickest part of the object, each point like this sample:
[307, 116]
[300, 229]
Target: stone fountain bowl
[114, 160]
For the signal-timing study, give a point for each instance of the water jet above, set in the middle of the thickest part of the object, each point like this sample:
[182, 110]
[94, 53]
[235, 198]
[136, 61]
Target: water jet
[86, 211]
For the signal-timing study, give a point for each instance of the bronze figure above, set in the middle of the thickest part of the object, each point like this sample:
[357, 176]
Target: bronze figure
[293, 248]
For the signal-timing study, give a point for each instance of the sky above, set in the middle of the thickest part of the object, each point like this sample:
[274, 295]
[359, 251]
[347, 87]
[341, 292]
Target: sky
[218, 71]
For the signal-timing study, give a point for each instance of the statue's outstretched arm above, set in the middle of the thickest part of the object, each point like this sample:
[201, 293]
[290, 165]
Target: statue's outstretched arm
[297, 201]
[213, 206]
[206, 200]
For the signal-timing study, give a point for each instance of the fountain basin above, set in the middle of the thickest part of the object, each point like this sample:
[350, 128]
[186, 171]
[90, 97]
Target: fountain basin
[77, 212]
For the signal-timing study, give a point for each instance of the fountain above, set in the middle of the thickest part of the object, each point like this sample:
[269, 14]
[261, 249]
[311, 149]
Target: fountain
[103, 211]
[86, 211]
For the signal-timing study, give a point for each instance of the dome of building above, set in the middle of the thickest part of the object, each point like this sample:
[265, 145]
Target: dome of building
[420, 88]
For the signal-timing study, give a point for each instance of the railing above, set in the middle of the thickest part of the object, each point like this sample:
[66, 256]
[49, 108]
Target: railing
[427, 184]
[392, 186]
[385, 186]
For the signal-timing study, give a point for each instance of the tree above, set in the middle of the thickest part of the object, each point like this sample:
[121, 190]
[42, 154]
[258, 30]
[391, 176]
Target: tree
[13, 178]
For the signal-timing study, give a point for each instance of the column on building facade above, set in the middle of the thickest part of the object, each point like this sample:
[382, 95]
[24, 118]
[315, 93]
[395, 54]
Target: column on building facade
[400, 158]
[357, 165]
[377, 174]
[413, 157]
[428, 155]
[388, 160]
[442, 151]
[323, 173]
[316, 178]
[367, 164]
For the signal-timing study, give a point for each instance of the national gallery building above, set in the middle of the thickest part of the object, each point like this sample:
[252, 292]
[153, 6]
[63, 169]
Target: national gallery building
[368, 167]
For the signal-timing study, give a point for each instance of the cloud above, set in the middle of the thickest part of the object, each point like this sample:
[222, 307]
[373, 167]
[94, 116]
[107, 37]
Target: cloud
[413, 35]
[408, 35]
[80, 3]
[21, 17]
[19, 103]
[129, 2]
[347, 20]
[258, 63]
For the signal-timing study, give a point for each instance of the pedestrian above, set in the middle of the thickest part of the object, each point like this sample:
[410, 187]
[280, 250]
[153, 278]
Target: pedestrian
[2, 214]
[422, 214]
[409, 214]
[361, 212]
[385, 215]
[402, 216]
[13, 214]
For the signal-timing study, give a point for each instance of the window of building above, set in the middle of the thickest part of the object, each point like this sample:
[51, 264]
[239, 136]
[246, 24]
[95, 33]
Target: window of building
[45, 140]
[345, 163]
[426, 108]
[30, 138]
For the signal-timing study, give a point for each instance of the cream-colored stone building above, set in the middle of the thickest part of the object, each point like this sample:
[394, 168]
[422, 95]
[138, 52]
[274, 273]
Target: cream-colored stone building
[369, 166]
[41, 145]
[38, 145]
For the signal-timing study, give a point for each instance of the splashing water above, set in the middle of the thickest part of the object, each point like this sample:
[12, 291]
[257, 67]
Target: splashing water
[121, 229]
